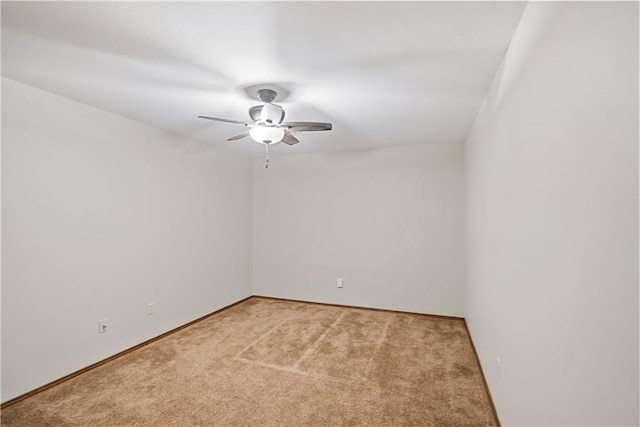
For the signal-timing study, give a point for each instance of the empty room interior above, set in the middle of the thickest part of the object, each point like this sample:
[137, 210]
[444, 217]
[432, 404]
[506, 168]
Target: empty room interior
[320, 213]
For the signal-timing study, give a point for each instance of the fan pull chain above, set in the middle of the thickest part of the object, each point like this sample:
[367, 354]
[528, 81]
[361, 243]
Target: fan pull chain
[266, 149]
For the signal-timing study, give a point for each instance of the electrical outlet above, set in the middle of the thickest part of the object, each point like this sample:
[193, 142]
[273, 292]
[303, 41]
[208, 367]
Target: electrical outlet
[151, 309]
[339, 282]
[498, 367]
[102, 326]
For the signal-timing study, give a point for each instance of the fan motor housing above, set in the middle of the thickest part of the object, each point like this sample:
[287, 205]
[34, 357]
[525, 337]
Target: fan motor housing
[255, 113]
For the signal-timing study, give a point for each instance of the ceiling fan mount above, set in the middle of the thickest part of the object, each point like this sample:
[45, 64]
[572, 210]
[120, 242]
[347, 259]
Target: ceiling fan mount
[267, 95]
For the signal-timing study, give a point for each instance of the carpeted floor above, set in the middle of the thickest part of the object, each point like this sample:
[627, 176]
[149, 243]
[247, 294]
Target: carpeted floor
[277, 363]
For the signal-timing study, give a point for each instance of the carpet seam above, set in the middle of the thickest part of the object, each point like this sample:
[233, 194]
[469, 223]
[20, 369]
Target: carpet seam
[314, 347]
[254, 342]
[307, 373]
[381, 339]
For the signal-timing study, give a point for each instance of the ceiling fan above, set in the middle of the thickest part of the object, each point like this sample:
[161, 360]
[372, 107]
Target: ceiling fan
[268, 127]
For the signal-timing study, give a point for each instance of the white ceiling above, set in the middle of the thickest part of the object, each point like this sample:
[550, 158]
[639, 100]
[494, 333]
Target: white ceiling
[384, 73]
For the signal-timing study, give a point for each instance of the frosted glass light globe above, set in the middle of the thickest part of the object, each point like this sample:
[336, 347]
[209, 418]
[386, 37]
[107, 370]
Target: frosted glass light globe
[266, 134]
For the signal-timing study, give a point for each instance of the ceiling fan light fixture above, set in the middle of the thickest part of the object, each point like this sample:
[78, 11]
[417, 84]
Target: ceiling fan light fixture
[267, 125]
[266, 134]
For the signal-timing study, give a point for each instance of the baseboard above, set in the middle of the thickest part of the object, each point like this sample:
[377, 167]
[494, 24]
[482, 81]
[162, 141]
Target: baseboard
[484, 379]
[115, 356]
[435, 316]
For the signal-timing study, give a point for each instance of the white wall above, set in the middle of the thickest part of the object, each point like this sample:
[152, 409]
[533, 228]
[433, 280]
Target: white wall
[102, 215]
[552, 186]
[388, 221]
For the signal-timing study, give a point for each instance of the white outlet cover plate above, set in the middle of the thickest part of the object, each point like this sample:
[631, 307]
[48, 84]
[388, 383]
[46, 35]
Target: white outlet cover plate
[102, 326]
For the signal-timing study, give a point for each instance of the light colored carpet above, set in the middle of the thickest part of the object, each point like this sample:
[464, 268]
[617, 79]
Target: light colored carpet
[278, 363]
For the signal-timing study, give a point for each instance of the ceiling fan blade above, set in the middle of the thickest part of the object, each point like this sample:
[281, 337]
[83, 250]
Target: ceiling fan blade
[239, 136]
[306, 126]
[217, 119]
[289, 139]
